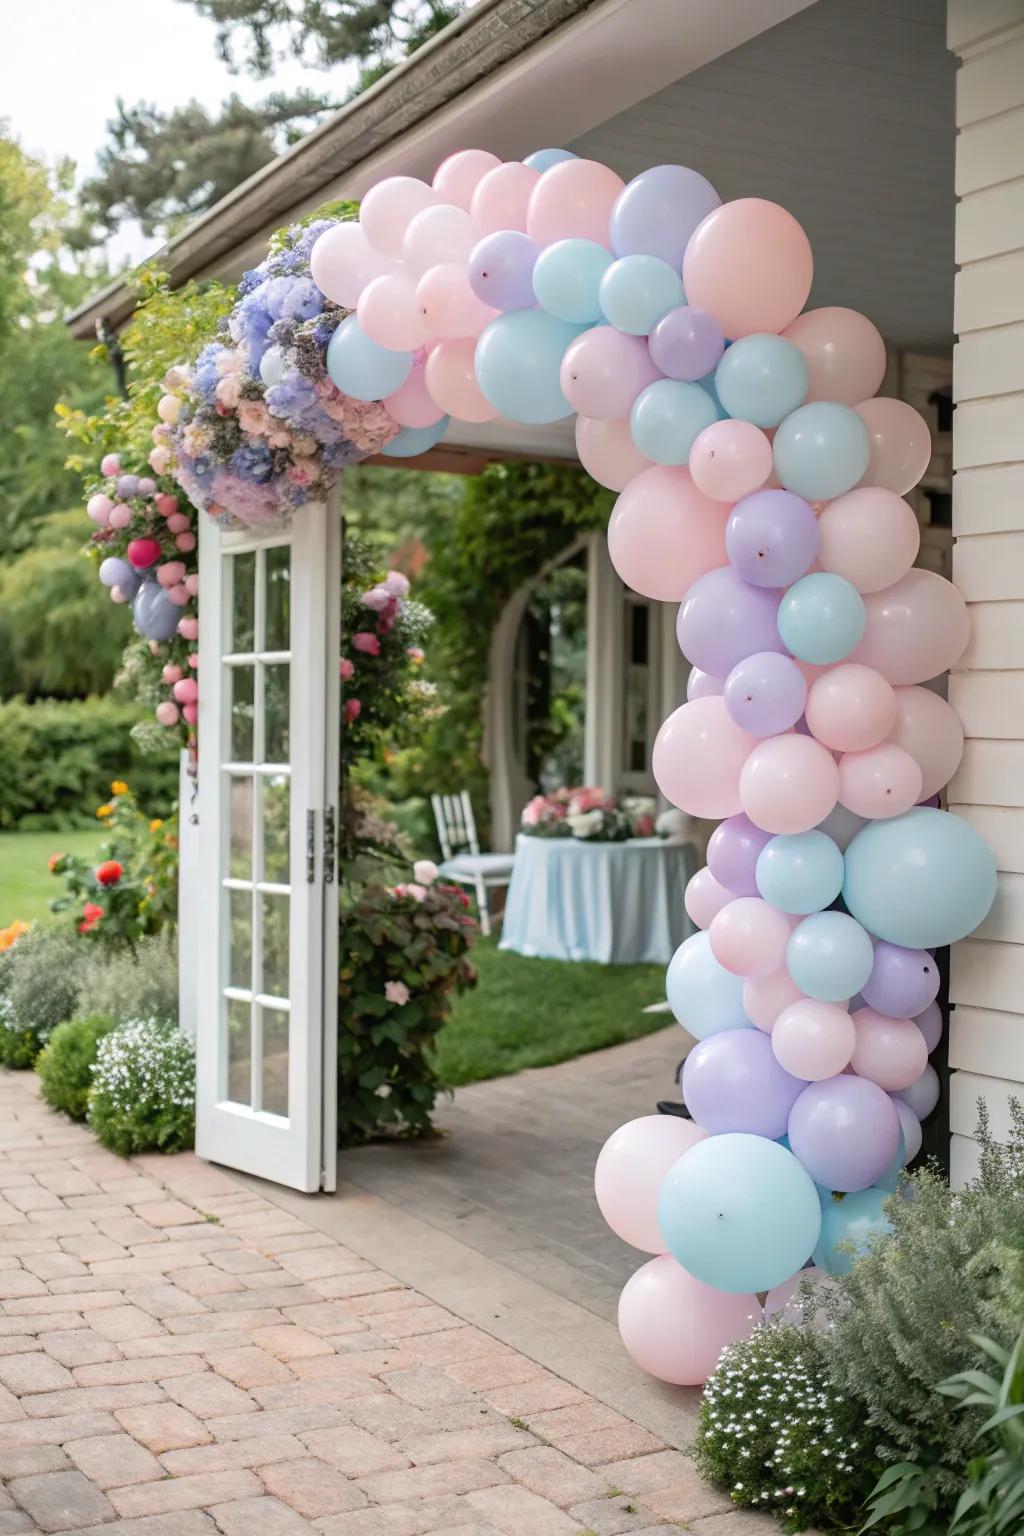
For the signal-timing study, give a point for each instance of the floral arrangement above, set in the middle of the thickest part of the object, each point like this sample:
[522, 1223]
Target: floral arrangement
[590, 814]
[255, 427]
[143, 1088]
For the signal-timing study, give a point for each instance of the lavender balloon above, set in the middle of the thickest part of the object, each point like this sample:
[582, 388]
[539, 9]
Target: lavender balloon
[845, 1131]
[500, 270]
[722, 619]
[924, 1094]
[115, 572]
[902, 982]
[771, 538]
[930, 1024]
[658, 211]
[127, 486]
[732, 1082]
[686, 343]
[155, 615]
[733, 851]
[765, 693]
[701, 685]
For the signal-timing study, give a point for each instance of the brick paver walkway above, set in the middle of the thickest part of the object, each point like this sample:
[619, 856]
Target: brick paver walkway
[179, 1357]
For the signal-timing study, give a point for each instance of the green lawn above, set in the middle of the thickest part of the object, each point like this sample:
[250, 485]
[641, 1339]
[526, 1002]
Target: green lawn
[26, 885]
[533, 1013]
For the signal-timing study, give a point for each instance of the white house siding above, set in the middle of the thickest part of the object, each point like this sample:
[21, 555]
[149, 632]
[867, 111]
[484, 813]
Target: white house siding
[987, 688]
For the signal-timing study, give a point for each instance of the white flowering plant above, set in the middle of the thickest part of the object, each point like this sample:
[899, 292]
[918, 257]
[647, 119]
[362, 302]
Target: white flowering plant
[143, 1088]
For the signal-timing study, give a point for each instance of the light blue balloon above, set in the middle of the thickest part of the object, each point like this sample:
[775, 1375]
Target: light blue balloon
[518, 359]
[920, 880]
[413, 440]
[566, 279]
[362, 369]
[821, 450]
[739, 1212]
[704, 997]
[822, 618]
[636, 291]
[667, 416]
[829, 956]
[801, 873]
[855, 1219]
[543, 159]
[762, 379]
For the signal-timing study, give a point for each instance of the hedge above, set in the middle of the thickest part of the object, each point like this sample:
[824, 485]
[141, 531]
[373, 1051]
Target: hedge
[57, 760]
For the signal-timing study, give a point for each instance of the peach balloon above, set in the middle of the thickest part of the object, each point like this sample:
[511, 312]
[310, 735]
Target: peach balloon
[850, 708]
[573, 201]
[457, 178]
[502, 197]
[916, 629]
[766, 997]
[749, 937]
[870, 536]
[675, 1327]
[607, 451]
[845, 353]
[412, 405]
[814, 1040]
[901, 444]
[880, 783]
[749, 264]
[930, 730]
[663, 533]
[730, 460]
[436, 235]
[631, 1168]
[450, 377]
[788, 784]
[705, 898]
[388, 313]
[891, 1052]
[698, 755]
[447, 304]
[388, 209]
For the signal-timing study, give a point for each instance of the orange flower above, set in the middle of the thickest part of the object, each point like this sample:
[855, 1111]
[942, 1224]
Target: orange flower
[119, 787]
[11, 934]
[156, 824]
[103, 811]
[54, 861]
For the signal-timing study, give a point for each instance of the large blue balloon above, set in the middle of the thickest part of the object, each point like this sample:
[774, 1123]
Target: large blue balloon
[822, 618]
[636, 291]
[155, 615]
[739, 1212]
[762, 379]
[362, 369]
[518, 360]
[853, 1220]
[413, 440]
[658, 211]
[821, 450]
[921, 880]
[829, 956]
[567, 277]
[801, 873]
[667, 416]
[702, 994]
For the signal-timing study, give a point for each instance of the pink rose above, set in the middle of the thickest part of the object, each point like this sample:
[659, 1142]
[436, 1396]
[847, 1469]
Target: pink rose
[533, 812]
[353, 709]
[346, 671]
[397, 992]
[229, 390]
[378, 598]
[425, 871]
[253, 416]
[367, 643]
[397, 583]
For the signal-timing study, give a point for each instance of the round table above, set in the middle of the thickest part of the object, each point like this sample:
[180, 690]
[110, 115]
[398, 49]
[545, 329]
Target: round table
[617, 903]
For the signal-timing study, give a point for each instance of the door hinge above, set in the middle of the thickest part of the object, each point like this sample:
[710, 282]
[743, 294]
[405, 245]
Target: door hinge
[329, 845]
[310, 847]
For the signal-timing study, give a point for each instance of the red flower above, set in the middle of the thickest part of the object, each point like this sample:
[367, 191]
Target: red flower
[109, 872]
[91, 915]
[353, 709]
[367, 643]
[55, 861]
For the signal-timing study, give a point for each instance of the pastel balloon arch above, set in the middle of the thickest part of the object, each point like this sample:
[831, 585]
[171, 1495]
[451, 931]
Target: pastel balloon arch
[761, 487]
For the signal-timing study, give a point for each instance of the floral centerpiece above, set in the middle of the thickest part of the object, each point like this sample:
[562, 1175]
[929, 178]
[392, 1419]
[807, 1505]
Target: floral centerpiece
[590, 814]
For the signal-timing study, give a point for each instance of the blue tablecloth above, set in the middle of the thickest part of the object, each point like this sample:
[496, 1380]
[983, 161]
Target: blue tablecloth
[619, 903]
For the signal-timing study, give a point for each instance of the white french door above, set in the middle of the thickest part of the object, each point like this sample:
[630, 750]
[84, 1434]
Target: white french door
[266, 1035]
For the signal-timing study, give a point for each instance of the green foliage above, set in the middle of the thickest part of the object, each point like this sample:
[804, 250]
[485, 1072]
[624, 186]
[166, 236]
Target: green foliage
[66, 1062]
[132, 889]
[403, 957]
[774, 1432]
[40, 984]
[141, 983]
[143, 1089]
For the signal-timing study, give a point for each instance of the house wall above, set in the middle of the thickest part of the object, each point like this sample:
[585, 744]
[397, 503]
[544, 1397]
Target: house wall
[987, 688]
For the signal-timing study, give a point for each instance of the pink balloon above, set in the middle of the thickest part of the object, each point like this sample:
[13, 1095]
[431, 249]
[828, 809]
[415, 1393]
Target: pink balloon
[119, 516]
[388, 313]
[190, 713]
[630, 1171]
[663, 533]
[749, 264]
[179, 594]
[186, 542]
[501, 197]
[186, 690]
[573, 201]
[447, 304]
[457, 178]
[901, 444]
[930, 730]
[749, 937]
[871, 536]
[177, 522]
[675, 1327]
[697, 758]
[845, 354]
[170, 573]
[604, 370]
[882, 782]
[172, 673]
[850, 708]
[343, 262]
[891, 1052]
[814, 1040]
[412, 405]
[916, 629]
[788, 784]
[607, 451]
[730, 460]
[99, 508]
[451, 380]
[701, 685]
[389, 208]
[438, 235]
[705, 898]
[167, 713]
[188, 629]
[765, 998]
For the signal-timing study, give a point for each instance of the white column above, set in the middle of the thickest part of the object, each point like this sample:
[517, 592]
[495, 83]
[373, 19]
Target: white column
[188, 897]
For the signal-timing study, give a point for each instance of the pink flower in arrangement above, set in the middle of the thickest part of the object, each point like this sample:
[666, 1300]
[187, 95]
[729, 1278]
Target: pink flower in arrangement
[533, 811]
[353, 709]
[643, 826]
[425, 871]
[378, 598]
[367, 643]
[397, 584]
[229, 390]
[253, 416]
[278, 435]
[416, 654]
[302, 471]
[397, 992]
[346, 671]
[587, 798]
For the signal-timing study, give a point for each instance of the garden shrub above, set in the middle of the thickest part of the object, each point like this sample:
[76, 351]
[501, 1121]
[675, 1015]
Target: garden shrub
[40, 982]
[139, 983]
[131, 889]
[66, 1062]
[143, 1088]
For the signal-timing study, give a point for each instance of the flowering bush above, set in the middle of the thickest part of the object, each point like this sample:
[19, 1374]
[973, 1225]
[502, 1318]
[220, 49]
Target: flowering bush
[133, 890]
[41, 978]
[143, 1088]
[65, 1065]
[404, 952]
[589, 813]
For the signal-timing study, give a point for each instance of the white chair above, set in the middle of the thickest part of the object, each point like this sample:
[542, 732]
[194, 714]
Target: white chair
[460, 846]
